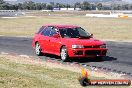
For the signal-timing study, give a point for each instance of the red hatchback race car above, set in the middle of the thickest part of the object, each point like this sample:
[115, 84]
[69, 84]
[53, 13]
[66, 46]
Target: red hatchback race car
[67, 41]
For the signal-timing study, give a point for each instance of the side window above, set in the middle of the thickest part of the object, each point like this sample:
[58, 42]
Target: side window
[46, 31]
[53, 31]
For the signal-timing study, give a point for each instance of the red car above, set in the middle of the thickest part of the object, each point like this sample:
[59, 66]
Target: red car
[67, 41]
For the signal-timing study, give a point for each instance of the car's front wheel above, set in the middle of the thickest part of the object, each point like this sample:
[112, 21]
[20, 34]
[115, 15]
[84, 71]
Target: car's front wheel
[64, 54]
[38, 49]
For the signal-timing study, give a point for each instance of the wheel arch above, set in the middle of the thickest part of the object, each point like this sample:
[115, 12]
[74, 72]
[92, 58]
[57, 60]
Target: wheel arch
[36, 42]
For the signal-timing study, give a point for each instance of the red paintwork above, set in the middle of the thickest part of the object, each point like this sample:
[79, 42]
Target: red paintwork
[53, 45]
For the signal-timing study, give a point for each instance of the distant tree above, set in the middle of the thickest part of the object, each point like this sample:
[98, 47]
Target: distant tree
[57, 5]
[31, 5]
[15, 7]
[2, 1]
[125, 7]
[131, 7]
[62, 5]
[106, 8]
[68, 6]
[49, 7]
[1, 4]
[28, 5]
[93, 7]
[20, 7]
[99, 6]
[86, 6]
[119, 7]
[77, 5]
[25, 6]
[52, 3]
[38, 6]
[43, 5]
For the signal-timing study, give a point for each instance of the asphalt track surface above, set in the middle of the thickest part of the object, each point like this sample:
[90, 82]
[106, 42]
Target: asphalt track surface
[118, 59]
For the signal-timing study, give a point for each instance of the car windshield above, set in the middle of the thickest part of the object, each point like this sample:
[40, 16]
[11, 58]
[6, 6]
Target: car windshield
[74, 33]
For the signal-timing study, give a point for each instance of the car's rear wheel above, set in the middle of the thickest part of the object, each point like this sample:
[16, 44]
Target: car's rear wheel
[38, 49]
[64, 54]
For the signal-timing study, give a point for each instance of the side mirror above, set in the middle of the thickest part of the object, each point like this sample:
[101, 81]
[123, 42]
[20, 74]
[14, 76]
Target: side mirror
[91, 35]
[56, 36]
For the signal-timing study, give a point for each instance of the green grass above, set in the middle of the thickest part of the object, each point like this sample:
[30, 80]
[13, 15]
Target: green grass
[14, 75]
[18, 75]
[102, 28]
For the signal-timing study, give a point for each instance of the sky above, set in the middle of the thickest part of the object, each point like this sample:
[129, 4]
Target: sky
[128, 0]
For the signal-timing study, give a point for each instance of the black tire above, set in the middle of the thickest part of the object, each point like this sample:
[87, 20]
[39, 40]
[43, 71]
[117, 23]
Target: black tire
[100, 58]
[38, 49]
[64, 54]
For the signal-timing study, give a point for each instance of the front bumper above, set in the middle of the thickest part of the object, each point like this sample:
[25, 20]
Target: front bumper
[89, 52]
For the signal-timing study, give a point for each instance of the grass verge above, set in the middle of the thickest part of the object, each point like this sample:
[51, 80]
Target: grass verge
[102, 28]
[25, 75]
[14, 75]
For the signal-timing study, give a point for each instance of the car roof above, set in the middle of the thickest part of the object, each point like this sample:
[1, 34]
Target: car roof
[61, 26]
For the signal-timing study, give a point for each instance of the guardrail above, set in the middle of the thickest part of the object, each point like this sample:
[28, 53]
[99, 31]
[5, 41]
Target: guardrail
[9, 13]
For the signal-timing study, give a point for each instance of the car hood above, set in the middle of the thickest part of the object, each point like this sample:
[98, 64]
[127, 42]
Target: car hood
[85, 42]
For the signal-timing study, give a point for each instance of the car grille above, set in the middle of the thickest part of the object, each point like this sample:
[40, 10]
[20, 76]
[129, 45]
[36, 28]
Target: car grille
[92, 52]
[92, 46]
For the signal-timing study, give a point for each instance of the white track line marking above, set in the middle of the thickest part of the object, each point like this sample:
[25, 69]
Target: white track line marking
[4, 53]
[26, 56]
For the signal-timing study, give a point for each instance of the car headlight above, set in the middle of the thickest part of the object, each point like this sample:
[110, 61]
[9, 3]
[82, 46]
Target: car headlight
[103, 46]
[77, 46]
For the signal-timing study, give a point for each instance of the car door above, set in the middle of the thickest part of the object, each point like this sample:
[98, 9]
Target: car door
[44, 40]
[55, 43]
